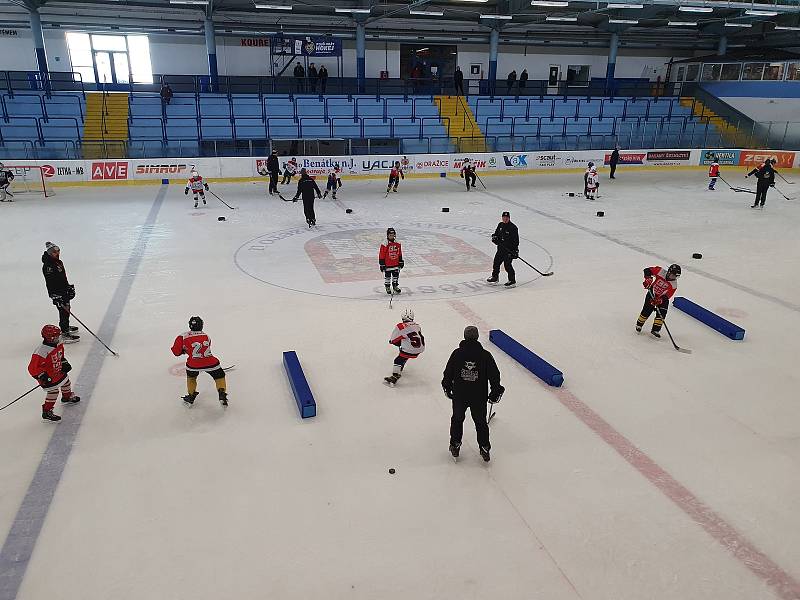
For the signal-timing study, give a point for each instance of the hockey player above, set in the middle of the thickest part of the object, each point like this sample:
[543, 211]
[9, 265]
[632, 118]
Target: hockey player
[765, 174]
[50, 368]
[506, 237]
[6, 177]
[589, 167]
[592, 183]
[468, 173]
[289, 170]
[661, 285]
[395, 175]
[197, 185]
[407, 336]
[390, 259]
[60, 290]
[333, 184]
[713, 174]
[307, 188]
[197, 345]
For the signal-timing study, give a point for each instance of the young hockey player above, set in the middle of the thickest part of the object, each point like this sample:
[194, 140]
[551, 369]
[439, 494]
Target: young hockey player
[713, 174]
[307, 188]
[589, 168]
[6, 177]
[197, 185]
[333, 184]
[289, 169]
[407, 336]
[592, 183]
[468, 173]
[50, 368]
[394, 176]
[390, 259]
[197, 345]
[661, 285]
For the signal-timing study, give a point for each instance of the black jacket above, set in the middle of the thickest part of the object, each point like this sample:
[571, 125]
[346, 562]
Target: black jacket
[312, 72]
[272, 164]
[307, 188]
[614, 157]
[323, 72]
[506, 236]
[458, 76]
[765, 174]
[469, 372]
[523, 78]
[55, 277]
[299, 71]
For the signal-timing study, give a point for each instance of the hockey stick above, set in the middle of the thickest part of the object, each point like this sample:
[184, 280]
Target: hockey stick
[221, 200]
[527, 263]
[782, 194]
[391, 297]
[664, 322]
[89, 330]
[784, 178]
[481, 180]
[21, 397]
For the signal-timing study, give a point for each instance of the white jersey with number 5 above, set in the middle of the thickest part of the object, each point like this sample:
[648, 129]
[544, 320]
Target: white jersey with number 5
[410, 338]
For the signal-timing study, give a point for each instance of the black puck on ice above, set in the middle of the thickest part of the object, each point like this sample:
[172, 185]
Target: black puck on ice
[348, 210]
[391, 471]
[445, 209]
[220, 218]
[697, 255]
[571, 194]
[600, 213]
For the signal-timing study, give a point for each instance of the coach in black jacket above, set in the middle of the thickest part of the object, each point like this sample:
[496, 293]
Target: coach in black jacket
[506, 236]
[308, 189]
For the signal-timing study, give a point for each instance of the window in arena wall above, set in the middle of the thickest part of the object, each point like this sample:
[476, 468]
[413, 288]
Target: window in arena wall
[774, 71]
[578, 75]
[731, 72]
[110, 58]
[711, 72]
[752, 71]
[692, 71]
[793, 71]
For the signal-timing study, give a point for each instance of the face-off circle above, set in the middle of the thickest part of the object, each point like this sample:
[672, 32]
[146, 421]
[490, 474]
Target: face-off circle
[442, 261]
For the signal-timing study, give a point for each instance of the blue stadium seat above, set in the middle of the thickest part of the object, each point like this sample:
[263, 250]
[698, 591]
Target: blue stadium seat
[250, 128]
[377, 128]
[346, 127]
[589, 107]
[311, 127]
[565, 108]
[247, 106]
[282, 127]
[216, 129]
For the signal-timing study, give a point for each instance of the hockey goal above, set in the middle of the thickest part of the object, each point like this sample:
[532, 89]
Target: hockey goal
[28, 179]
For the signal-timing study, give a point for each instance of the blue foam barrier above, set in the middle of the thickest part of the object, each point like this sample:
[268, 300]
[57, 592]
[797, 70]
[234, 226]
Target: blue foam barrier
[704, 315]
[165, 182]
[297, 379]
[528, 359]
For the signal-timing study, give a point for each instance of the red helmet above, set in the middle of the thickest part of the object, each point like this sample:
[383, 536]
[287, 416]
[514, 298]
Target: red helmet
[50, 332]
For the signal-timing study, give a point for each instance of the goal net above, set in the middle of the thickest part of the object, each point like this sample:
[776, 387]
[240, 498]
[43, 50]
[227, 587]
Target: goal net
[28, 179]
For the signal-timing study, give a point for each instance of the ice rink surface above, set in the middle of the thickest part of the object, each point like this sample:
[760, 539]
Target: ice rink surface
[650, 475]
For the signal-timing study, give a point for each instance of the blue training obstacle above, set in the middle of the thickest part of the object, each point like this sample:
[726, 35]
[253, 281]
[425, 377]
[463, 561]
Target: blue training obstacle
[714, 321]
[534, 363]
[297, 379]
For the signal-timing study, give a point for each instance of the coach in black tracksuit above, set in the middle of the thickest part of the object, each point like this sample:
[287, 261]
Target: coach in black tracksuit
[506, 236]
[274, 170]
[465, 381]
[308, 189]
[766, 178]
[59, 289]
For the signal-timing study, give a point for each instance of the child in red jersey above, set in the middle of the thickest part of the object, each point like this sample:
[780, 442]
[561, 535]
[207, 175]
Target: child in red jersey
[49, 367]
[197, 345]
[661, 285]
[390, 259]
[713, 173]
[197, 185]
[394, 176]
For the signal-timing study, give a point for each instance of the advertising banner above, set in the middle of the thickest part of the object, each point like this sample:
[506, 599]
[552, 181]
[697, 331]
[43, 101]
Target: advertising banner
[627, 158]
[723, 157]
[668, 157]
[753, 158]
[306, 46]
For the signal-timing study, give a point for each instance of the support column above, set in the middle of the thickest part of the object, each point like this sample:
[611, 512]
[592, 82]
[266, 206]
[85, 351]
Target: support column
[211, 47]
[494, 38]
[361, 55]
[612, 62]
[722, 49]
[38, 40]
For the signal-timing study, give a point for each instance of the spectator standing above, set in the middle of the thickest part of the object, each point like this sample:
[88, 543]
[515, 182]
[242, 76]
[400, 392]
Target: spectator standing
[523, 80]
[322, 75]
[458, 81]
[166, 93]
[510, 81]
[312, 78]
[299, 76]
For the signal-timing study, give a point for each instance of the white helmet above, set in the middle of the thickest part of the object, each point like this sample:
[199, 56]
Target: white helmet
[408, 315]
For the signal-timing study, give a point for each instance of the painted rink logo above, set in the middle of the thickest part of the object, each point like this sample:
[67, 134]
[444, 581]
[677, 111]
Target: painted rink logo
[442, 261]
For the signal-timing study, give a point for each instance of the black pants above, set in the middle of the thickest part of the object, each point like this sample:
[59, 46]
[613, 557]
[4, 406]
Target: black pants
[287, 177]
[648, 309]
[761, 192]
[460, 87]
[613, 166]
[308, 209]
[477, 409]
[470, 177]
[273, 181]
[502, 257]
[63, 316]
[393, 181]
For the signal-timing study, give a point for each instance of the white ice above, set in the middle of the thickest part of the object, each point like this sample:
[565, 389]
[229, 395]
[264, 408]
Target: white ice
[159, 501]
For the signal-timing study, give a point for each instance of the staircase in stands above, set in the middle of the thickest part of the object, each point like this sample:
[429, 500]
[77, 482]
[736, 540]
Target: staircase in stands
[729, 132]
[461, 125]
[105, 128]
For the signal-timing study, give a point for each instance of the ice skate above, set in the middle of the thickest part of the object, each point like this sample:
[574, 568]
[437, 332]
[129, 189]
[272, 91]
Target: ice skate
[195, 203]
[493, 279]
[510, 284]
[391, 380]
[223, 398]
[485, 454]
[189, 398]
[71, 399]
[388, 289]
[655, 334]
[638, 328]
[455, 448]
[49, 415]
[396, 288]
[69, 338]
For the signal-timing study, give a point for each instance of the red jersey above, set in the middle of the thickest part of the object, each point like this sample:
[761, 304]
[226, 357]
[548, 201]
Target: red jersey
[195, 183]
[713, 170]
[396, 172]
[47, 359]
[198, 346]
[390, 255]
[661, 287]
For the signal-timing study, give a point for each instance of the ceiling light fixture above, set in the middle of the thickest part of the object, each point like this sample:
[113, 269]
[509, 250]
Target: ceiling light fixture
[475, 1]
[614, 6]
[427, 13]
[623, 21]
[787, 28]
[761, 13]
[553, 3]
[202, 2]
[696, 9]
[365, 11]
[562, 19]
[738, 24]
[274, 6]
[501, 17]
[682, 23]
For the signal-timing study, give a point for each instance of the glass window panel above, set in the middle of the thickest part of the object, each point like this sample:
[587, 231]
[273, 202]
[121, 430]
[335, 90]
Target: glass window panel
[80, 52]
[752, 71]
[793, 71]
[681, 71]
[141, 68]
[730, 72]
[121, 72]
[692, 71]
[773, 71]
[711, 72]
[109, 42]
[103, 62]
[578, 75]
[85, 74]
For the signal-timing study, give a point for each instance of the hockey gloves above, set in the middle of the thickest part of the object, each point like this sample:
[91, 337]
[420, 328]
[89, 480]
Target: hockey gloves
[495, 239]
[401, 264]
[448, 393]
[44, 380]
[647, 282]
[206, 186]
[383, 268]
[186, 192]
[70, 292]
[656, 301]
[495, 395]
[65, 366]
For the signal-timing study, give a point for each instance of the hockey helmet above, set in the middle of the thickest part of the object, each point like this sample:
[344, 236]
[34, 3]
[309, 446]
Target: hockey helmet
[408, 315]
[196, 324]
[390, 231]
[590, 165]
[674, 270]
[50, 333]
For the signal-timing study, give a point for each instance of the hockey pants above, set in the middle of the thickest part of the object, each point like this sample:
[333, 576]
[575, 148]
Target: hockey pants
[391, 275]
[712, 182]
[217, 374]
[501, 257]
[470, 178]
[52, 394]
[477, 408]
[648, 309]
[761, 192]
[393, 181]
[308, 209]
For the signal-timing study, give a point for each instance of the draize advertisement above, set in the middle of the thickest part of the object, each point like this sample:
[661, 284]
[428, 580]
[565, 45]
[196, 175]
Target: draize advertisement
[626, 158]
[668, 155]
[723, 157]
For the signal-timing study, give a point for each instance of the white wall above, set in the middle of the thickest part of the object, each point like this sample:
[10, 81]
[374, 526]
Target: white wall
[17, 53]
[767, 109]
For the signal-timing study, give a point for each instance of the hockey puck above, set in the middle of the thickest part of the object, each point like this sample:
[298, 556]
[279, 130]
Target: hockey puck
[220, 218]
[697, 255]
[445, 209]
[391, 471]
[571, 194]
[600, 213]
[348, 210]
